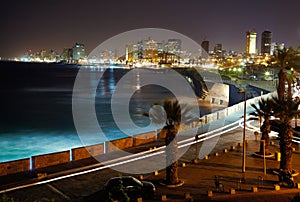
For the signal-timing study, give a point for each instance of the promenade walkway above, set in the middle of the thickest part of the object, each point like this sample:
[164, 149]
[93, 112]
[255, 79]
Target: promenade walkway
[199, 177]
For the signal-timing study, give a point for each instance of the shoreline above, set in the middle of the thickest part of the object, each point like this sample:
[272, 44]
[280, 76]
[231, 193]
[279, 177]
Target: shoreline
[14, 181]
[64, 157]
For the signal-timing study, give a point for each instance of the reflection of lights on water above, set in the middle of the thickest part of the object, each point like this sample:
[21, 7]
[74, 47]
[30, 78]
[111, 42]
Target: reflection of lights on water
[138, 82]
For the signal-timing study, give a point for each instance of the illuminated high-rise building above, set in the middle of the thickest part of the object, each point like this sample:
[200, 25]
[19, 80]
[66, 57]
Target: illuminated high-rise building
[43, 54]
[150, 49]
[218, 50]
[276, 46]
[140, 49]
[251, 42]
[174, 46]
[205, 46]
[67, 54]
[161, 47]
[266, 38]
[78, 51]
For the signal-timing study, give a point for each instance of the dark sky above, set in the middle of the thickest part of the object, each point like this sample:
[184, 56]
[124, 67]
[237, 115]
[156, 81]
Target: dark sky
[55, 24]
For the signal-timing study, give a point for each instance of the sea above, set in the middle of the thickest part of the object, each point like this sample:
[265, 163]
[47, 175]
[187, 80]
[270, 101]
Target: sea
[37, 116]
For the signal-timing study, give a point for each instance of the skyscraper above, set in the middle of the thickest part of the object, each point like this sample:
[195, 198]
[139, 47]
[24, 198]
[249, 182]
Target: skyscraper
[67, 54]
[161, 47]
[218, 48]
[78, 51]
[150, 49]
[174, 46]
[205, 46]
[276, 46]
[266, 38]
[251, 42]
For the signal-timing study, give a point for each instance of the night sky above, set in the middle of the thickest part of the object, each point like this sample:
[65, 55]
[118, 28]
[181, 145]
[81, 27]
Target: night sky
[55, 24]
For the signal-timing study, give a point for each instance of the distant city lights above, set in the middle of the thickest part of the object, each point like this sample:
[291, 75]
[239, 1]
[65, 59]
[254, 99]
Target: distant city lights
[168, 53]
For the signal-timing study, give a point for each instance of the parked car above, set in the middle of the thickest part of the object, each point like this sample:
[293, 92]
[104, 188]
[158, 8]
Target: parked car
[121, 188]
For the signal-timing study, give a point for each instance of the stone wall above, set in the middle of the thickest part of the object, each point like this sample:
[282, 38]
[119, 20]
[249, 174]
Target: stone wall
[52, 159]
[87, 152]
[115, 145]
[144, 138]
[12, 167]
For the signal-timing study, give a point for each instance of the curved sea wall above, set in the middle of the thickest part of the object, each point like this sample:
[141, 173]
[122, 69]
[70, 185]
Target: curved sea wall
[41, 161]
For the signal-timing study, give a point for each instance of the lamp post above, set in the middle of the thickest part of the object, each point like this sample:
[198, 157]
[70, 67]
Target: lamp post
[264, 150]
[196, 139]
[244, 132]
[196, 154]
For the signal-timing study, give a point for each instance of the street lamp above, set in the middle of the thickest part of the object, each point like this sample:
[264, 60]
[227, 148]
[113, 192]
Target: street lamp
[244, 131]
[196, 139]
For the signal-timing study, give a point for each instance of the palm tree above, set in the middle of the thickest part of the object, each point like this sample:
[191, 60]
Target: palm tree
[286, 110]
[285, 107]
[291, 77]
[284, 61]
[172, 115]
[265, 111]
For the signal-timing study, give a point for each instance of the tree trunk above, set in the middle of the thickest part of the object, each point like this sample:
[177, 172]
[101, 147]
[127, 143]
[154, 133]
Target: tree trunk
[286, 150]
[171, 155]
[265, 130]
[281, 84]
[289, 92]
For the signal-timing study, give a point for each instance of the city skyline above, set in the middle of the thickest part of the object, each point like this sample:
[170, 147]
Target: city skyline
[38, 25]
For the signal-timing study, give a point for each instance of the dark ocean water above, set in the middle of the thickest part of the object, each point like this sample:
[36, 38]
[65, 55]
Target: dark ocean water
[36, 107]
